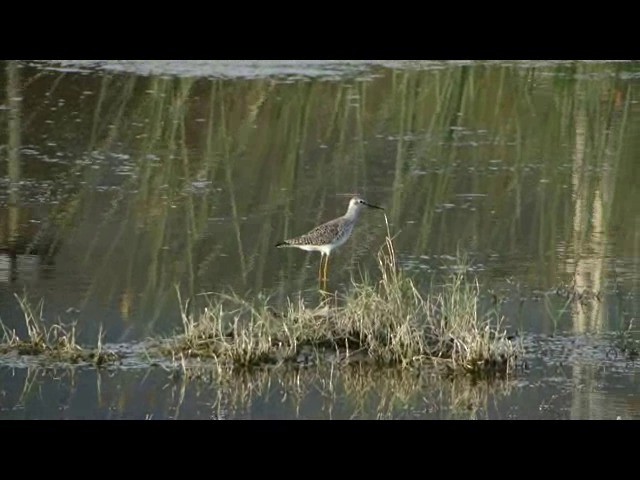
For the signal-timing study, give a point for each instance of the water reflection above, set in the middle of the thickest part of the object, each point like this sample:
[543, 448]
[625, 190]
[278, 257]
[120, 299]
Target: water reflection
[135, 183]
[573, 391]
[312, 394]
[122, 182]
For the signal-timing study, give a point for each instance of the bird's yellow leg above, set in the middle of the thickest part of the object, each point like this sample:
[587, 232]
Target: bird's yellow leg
[326, 266]
[320, 270]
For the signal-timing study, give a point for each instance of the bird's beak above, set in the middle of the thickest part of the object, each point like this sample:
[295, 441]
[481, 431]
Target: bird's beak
[373, 206]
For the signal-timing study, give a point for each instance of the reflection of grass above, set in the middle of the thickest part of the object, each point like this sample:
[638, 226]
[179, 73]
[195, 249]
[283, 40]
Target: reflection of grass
[487, 130]
[385, 323]
[388, 323]
[355, 391]
[56, 343]
[503, 132]
[627, 342]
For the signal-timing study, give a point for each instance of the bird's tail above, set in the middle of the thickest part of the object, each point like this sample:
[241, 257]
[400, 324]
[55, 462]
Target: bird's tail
[283, 244]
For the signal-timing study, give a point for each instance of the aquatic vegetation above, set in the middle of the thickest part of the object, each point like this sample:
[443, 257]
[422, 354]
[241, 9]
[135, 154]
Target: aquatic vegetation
[389, 322]
[56, 343]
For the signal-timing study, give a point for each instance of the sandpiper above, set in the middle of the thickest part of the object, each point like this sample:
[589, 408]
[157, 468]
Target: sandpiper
[324, 238]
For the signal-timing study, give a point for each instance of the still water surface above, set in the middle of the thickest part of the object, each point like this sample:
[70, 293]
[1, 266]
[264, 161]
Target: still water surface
[122, 179]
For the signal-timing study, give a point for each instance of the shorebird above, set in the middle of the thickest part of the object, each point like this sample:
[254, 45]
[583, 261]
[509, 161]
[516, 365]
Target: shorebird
[324, 238]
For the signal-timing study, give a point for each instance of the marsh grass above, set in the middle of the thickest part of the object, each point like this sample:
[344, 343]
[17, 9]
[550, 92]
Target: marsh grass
[56, 342]
[384, 323]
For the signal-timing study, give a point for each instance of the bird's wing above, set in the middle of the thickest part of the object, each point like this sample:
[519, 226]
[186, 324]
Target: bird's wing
[327, 231]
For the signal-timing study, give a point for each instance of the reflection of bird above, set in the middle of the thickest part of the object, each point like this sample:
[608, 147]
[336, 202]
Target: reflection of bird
[324, 238]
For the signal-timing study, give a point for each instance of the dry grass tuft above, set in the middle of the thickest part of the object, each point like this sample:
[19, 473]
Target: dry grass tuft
[389, 322]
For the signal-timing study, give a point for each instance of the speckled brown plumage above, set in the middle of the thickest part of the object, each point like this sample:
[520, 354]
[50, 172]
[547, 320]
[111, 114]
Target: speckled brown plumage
[321, 235]
[324, 238]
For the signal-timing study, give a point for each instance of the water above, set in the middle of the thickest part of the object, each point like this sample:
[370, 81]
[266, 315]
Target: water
[574, 384]
[130, 178]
